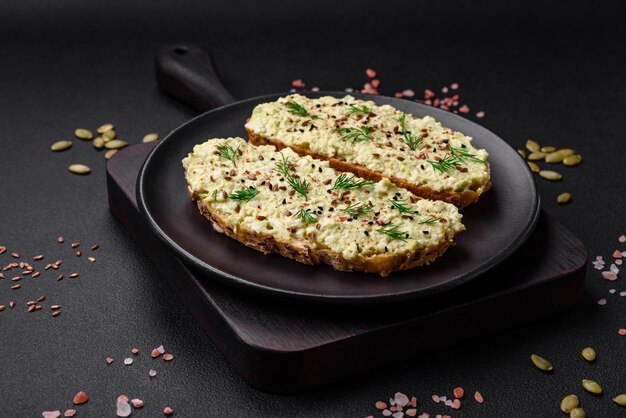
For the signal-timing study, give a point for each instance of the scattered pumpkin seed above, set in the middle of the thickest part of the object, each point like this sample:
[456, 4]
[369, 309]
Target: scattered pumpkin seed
[562, 199]
[550, 175]
[536, 155]
[620, 399]
[79, 169]
[83, 133]
[98, 142]
[109, 153]
[111, 134]
[592, 386]
[522, 153]
[572, 160]
[533, 167]
[588, 353]
[577, 413]
[61, 146]
[115, 144]
[568, 403]
[541, 363]
[567, 151]
[104, 128]
[555, 157]
[151, 138]
[548, 149]
[532, 146]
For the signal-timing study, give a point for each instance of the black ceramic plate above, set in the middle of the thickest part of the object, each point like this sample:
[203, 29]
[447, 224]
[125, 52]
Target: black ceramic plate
[496, 225]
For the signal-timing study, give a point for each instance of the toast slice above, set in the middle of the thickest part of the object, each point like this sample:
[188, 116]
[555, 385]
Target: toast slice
[301, 208]
[373, 142]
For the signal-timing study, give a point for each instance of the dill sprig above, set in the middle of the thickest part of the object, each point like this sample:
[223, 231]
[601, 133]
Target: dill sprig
[357, 209]
[463, 155]
[214, 195]
[356, 134]
[364, 110]
[429, 221]
[345, 182]
[300, 186]
[305, 216]
[228, 153]
[244, 195]
[410, 140]
[401, 206]
[297, 109]
[445, 163]
[392, 231]
[284, 167]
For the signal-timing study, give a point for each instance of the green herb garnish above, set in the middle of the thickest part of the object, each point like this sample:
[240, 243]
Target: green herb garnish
[410, 140]
[401, 206]
[445, 164]
[356, 134]
[392, 231]
[463, 155]
[306, 216]
[284, 167]
[429, 221]
[297, 109]
[364, 110]
[300, 186]
[244, 195]
[345, 182]
[214, 195]
[357, 209]
[228, 153]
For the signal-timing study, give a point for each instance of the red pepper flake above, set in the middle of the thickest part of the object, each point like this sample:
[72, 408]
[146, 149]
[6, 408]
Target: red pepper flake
[298, 84]
[370, 73]
[80, 398]
[479, 397]
[343, 218]
[168, 411]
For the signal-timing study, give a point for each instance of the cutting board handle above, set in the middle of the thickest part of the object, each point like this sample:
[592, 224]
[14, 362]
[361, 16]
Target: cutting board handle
[186, 72]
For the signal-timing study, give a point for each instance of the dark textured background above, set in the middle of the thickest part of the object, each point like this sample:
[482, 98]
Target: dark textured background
[553, 73]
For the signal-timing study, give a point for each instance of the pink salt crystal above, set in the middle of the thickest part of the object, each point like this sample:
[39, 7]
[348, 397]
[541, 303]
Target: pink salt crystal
[456, 404]
[160, 349]
[444, 90]
[398, 414]
[370, 73]
[51, 414]
[408, 93]
[622, 238]
[480, 114]
[618, 262]
[69, 413]
[609, 275]
[622, 331]
[411, 412]
[435, 398]
[152, 373]
[297, 84]
[454, 86]
[123, 409]
[448, 402]
[122, 398]
[479, 397]
[315, 89]
[602, 302]
[137, 403]
[387, 412]
[617, 254]
[401, 399]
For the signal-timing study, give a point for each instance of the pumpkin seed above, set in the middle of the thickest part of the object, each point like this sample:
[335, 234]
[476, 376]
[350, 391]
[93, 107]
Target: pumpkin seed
[115, 144]
[109, 153]
[536, 155]
[151, 138]
[83, 133]
[592, 386]
[61, 146]
[109, 134]
[105, 128]
[567, 151]
[79, 169]
[572, 160]
[533, 167]
[588, 353]
[541, 363]
[568, 403]
[577, 413]
[555, 157]
[620, 399]
[522, 153]
[548, 149]
[550, 175]
[98, 142]
[532, 146]
[562, 199]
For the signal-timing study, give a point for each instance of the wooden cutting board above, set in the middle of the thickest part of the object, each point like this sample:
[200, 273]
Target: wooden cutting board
[283, 347]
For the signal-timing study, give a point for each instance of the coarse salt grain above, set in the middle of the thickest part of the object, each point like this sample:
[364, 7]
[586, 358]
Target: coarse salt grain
[618, 262]
[401, 399]
[370, 73]
[109, 360]
[298, 84]
[80, 398]
[134, 350]
[128, 361]
[168, 411]
[380, 405]
[611, 291]
[609, 275]
[51, 414]
[152, 373]
[614, 268]
[69, 413]
[137, 403]
[454, 86]
[622, 238]
[602, 302]
[617, 254]
[622, 293]
[168, 357]
[479, 397]
[435, 398]
[411, 412]
[408, 93]
[480, 114]
[456, 404]
[622, 331]
[459, 392]
[123, 409]
[387, 413]
[160, 349]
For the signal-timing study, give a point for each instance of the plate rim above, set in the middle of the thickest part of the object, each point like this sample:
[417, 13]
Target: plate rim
[247, 285]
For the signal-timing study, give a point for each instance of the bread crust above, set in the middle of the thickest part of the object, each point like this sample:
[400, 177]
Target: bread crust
[458, 199]
[383, 264]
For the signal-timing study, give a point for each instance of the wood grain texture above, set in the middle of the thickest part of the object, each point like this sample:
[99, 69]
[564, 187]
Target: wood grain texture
[284, 347]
